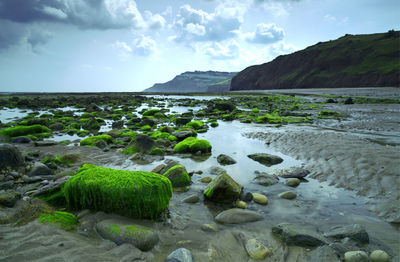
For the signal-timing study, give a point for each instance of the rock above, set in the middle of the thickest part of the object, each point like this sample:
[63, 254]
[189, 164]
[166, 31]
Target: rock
[180, 255]
[266, 159]
[260, 199]
[256, 250]
[183, 134]
[143, 143]
[121, 232]
[45, 143]
[117, 124]
[10, 156]
[237, 216]
[355, 232]
[52, 186]
[206, 179]
[216, 170]
[192, 199]
[9, 198]
[178, 176]
[7, 185]
[379, 256]
[21, 140]
[323, 254]
[101, 144]
[291, 235]
[246, 196]
[355, 256]
[241, 204]
[223, 189]
[288, 195]
[161, 169]
[212, 227]
[293, 182]
[290, 172]
[39, 169]
[348, 101]
[265, 179]
[225, 160]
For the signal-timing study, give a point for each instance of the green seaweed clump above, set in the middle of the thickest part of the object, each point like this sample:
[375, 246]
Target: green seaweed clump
[137, 194]
[65, 220]
[23, 130]
[195, 124]
[193, 145]
[151, 112]
[92, 141]
[54, 197]
[178, 176]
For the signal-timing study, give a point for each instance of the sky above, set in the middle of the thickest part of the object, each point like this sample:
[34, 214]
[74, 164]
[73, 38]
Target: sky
[128, 45]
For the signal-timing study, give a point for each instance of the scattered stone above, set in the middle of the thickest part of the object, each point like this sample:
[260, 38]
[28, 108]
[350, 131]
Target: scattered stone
[256, 250]
[292, 235]
[206, 179]
[241, 204]
[223, 189]
[265, 179]
[288, 195]
[121, 232]
[225, 160]
[355, 256]
[246, 196]
[355, 232]
[10, 156]
[9, 198]
[260, 199]
[210, 227]
[323, 254]
[192, 199]
[40, 169]
[180, 255]
[290, 172]
[216, 170]
[266, 159]
[237, 216]
[293, 182]
[379, 256]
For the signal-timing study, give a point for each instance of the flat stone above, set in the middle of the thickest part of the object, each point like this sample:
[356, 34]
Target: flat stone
[180, 255]
[293, 182]
[355, 232]
[265, 179]
[237, 216]
[266, 159]
[257, 250]
[288, 195]
[290, 172]
[260, 199]
[192, 199]
[355, 256]
[292, 235]
[206, 179]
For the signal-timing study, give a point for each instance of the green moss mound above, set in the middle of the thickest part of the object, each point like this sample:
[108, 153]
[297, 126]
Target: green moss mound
[54, 197]
[91, 141]
[195, 124]
[178, 176]
[24, 130]
[65, 220]
[131, 193]
[193, 145]
[151, 112]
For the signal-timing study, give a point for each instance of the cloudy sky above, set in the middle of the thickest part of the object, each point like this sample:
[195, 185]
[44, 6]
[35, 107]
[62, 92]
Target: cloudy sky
[128, 45]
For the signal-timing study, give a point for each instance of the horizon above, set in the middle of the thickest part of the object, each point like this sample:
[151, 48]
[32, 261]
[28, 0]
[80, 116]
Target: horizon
[128, 46]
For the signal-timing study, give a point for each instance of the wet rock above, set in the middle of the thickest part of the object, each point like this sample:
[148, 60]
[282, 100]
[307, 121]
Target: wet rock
[7, 185]
[192, 199]
[183, 134]
[241, 204]
[288, 195]
[178, 176]
[180, 255]
[256, 250]
[39, 169]
[143, 142]
[355, 232]
[260, 199]
[216, 170]
[290, 172]
[266, 159]
[9, 198]
[212, 227]
[118, 124]
[10, 156]
[120, 232]
[21, 140]
[246, 196]
[56, 126]
[292, 235]
[162, 168]
[52, 186]
[323, 254]
[225, 160]
[379, 256]
[223, 189]
[206, 179]
[293, 182]
[101, 144]
[355, 256]
[265, 179]
[237, 216]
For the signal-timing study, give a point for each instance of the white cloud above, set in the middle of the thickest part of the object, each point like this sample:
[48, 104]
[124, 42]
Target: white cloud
[144, 45]
[225, 50]
[155, 21]
[265, 34]
[56, 13]
[37, 38]
[333, 19]
[123, 49]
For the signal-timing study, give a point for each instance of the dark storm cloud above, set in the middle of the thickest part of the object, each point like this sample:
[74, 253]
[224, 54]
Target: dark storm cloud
[10, 34]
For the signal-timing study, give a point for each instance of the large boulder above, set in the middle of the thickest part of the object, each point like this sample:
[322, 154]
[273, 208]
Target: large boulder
[40, 169]
[131, 193]
[355, 232]
[237, 216]
[292, 235]
[121, 232]
[10, 156]
[178, 176]
[266, 159]
[223, 189]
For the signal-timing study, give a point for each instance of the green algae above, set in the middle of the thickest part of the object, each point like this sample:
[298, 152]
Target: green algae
[131, 193]
[91, 141]
[65, 220]
[195, 124]
[151, 112]
[178, 176]
[24, 130]
[193, 145]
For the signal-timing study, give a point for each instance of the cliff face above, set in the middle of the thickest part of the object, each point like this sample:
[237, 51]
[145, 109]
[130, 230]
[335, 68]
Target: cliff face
[350, 61]
[195, 82]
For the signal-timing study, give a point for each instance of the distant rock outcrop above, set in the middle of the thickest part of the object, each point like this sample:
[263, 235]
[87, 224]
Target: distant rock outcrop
[197, 81]
[351, 61]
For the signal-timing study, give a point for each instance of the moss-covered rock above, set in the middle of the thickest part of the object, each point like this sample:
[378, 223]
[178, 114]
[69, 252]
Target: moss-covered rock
[193, 145]
[132, 193]
[223, 189]
[178, 176]
[64, 220]
[93, 140]
[151, 112]
[195, 124]
[23, 130]
[266, 159]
